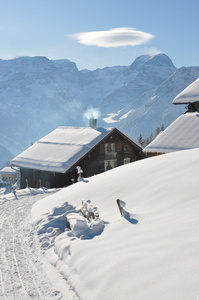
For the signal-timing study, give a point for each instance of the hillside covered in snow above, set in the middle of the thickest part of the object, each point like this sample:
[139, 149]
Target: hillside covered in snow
[37, 95]
[51, 251]
[150, 252]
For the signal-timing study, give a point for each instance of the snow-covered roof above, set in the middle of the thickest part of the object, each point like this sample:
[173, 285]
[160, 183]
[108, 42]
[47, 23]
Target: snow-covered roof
[188, 95]
[182, 134]
[61, 149]
[8, 170]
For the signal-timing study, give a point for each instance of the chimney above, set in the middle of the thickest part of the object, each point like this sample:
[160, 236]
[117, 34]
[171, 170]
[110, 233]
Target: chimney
[93, 123]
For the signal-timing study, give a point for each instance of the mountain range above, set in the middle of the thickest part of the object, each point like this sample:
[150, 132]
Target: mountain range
[37, 95]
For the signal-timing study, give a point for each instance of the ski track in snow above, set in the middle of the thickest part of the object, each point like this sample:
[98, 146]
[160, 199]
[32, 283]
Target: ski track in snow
[24, 272]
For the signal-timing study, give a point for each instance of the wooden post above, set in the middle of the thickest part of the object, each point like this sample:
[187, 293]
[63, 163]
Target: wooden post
[119, 206]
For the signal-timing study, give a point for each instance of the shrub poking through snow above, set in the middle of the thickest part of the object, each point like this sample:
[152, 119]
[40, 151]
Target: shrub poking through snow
[87, 224]
[82, 228]
[88, 211]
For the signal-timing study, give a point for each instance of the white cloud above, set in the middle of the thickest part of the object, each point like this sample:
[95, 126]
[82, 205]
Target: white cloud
[116, 37]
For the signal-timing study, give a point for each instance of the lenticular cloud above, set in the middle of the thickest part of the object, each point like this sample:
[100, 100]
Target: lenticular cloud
[116, 37]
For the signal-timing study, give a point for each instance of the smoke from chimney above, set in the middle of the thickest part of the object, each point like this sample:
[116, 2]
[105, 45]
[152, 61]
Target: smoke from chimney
[92, 114]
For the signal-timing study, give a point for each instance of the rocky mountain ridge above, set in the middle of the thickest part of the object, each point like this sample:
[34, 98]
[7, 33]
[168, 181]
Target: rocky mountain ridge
[37, 95]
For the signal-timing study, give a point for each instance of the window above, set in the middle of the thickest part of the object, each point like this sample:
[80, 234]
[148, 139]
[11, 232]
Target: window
[102, 148]
[118, 147]
[126, 149]
[110, 164]
[127, 160]
[109, 148]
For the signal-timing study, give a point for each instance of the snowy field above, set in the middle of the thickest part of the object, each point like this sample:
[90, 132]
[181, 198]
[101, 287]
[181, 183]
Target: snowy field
[151, 252]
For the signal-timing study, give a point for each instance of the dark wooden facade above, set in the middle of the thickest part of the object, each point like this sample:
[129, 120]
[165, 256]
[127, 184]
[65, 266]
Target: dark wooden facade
[113, 151]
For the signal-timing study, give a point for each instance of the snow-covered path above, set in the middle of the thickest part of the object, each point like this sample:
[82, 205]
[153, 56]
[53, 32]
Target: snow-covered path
[24, 272]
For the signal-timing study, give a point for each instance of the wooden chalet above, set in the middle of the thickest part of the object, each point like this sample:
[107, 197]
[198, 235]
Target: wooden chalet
[53, 160]
[183, 133]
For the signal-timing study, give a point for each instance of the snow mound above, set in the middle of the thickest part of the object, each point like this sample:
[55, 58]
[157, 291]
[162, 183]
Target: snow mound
[151, 251]
[83, 229]
[83, 224]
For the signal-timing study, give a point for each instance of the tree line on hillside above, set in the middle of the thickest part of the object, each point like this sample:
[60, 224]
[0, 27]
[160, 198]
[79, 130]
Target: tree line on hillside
[148, 140]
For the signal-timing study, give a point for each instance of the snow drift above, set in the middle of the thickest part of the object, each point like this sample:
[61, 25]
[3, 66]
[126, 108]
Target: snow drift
[151, 252]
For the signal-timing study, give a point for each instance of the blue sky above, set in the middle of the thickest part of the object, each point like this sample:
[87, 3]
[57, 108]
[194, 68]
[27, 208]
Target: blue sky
[112, 32]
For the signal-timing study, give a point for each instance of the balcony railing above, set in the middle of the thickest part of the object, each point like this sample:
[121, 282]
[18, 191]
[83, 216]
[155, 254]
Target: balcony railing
[111, 155]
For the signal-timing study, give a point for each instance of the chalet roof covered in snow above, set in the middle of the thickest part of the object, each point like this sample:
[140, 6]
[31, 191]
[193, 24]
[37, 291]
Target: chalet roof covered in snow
[7, 170]
[61, 149]
[188, 95]
[182, 134]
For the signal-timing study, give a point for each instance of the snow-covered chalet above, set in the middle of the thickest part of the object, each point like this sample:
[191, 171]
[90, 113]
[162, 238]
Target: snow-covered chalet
[183, 133]
[52, 161]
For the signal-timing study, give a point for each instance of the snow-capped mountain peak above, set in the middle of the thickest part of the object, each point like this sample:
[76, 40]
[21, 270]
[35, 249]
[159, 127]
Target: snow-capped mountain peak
[159, 60]
[37, 95]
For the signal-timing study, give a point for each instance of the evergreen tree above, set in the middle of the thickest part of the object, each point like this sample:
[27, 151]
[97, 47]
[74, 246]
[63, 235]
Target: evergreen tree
[151, 137]
[157, 131]
[148, 140]
[162, 127]
[140, 140]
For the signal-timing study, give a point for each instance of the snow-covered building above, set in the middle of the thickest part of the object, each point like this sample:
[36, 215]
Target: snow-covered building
[183, 133]
[8, 174]
[52, 161]
[189, 96]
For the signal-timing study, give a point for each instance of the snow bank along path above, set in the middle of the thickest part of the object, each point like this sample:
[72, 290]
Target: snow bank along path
[152, 253]
[24, 272]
